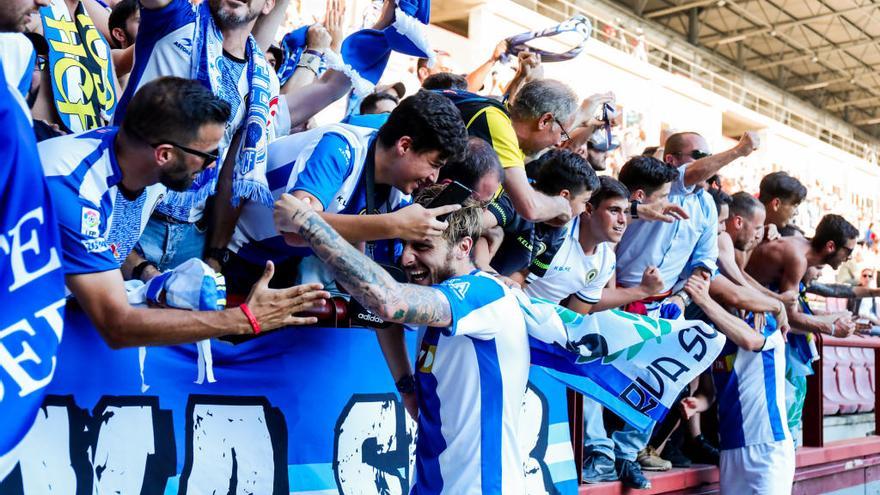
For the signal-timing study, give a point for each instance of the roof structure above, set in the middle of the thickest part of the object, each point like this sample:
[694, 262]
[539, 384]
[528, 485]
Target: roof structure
[827, 52]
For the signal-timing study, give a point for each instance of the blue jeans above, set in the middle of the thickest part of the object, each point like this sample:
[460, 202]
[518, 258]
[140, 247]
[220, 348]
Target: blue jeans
[623, 444]
[170, 244]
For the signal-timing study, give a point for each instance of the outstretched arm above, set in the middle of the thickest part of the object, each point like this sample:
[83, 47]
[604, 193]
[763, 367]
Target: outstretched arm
[704, 168]
[366, 281]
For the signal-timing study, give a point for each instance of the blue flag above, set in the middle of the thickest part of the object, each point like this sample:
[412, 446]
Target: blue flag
[31, 279]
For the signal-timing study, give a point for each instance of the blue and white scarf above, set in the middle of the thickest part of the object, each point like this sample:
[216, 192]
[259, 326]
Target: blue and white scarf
[249, 177]
[577, 24]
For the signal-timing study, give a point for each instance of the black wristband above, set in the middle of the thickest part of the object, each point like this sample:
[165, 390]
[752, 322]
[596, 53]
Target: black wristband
[138, 271]
[406, 385]
[219, 254]
[634, 208]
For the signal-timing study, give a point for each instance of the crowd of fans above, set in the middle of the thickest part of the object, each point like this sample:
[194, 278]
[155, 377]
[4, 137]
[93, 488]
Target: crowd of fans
[200, 146]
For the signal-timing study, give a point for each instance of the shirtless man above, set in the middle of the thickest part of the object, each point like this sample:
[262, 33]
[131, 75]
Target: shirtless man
[781, 264]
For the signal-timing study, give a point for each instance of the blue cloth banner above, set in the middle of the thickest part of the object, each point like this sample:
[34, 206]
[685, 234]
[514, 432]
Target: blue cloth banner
[300, 410]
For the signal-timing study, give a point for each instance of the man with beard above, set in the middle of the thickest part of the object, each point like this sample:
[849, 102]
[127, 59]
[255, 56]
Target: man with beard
[218, 44]
[781, 264]
[108, 180]
[473, 364]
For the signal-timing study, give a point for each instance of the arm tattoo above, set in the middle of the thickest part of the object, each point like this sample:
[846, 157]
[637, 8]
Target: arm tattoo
[831, 290]
[369, 283]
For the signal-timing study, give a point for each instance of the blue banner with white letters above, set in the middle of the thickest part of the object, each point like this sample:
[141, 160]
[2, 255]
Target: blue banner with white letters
[301, 410]
[31, 278]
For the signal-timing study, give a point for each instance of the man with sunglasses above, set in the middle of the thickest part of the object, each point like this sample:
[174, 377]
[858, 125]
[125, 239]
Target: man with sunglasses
[106, 183]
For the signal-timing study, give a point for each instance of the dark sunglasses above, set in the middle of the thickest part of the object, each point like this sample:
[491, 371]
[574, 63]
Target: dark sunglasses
[695, 154]
[565, 136]
[209, 156]
[41, 62]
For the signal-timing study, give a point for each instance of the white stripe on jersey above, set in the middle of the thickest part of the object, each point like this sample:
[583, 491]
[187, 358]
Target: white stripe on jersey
[472, 378]
[751, 396]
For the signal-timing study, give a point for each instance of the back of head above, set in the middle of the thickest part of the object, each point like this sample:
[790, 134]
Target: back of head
[833, 228]
[370, 102]
[720, 198]
[478, 161]
[445, 80]
[543, 96]
[744, 205]
[173, 109]
[465, 222]
[119, 16]
[609, 188]
[432, 122]
[646, 173]
[783, 186]
[563, 169]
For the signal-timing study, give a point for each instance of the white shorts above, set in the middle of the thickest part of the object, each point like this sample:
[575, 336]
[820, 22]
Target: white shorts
[765, 468]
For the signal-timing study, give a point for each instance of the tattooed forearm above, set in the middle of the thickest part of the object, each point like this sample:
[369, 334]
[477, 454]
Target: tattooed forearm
[369, 283]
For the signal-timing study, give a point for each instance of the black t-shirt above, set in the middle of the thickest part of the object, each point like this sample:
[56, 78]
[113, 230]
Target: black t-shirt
[526, 244]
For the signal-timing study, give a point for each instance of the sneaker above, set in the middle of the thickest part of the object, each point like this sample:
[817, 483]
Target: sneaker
[630, 475]
[673, 454]
[701, 451]
[598, 468]
[650, 460]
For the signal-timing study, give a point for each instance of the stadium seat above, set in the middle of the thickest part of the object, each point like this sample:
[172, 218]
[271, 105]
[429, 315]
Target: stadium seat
[869, 356]
[861, 375]
[831, 399]
[846, 384]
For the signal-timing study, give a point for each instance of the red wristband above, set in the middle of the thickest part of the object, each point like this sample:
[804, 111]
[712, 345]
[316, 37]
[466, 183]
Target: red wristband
[255, 325]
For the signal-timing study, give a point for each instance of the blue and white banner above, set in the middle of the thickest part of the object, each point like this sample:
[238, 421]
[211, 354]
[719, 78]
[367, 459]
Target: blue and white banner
[302, 410]
[632, 364]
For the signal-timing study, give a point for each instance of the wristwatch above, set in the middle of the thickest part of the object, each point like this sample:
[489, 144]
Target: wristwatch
[406, 385]
[219, 254]
[634, 208]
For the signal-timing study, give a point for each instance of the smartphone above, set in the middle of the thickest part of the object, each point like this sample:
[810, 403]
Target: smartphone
[453, 194]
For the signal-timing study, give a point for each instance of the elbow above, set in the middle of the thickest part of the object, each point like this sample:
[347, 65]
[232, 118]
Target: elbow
[113, 330]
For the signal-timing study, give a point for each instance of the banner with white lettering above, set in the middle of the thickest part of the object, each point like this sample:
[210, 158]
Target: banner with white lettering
[301, 411]
[634, 365]
[31, 279]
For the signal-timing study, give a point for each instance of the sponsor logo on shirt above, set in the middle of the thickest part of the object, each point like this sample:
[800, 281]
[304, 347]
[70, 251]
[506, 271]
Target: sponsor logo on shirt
[95, 245]
[184, 45]
[90, 222]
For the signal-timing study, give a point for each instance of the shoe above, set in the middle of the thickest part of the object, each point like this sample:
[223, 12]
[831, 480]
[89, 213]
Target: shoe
[650, 460]
[673, 454]
[701, 451]
[630, 474]
[598, 468]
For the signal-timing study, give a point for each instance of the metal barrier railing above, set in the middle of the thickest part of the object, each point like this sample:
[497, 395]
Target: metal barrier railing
[707, 77]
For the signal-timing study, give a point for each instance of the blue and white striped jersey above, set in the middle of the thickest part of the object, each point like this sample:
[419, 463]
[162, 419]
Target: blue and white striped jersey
[751, 392]
[472, 377]
[99, 225]
[328, 163]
